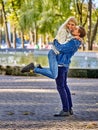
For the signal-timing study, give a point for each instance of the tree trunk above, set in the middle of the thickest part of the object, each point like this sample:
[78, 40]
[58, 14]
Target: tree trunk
[36, 34]
[44, 40]
[1, 22]
[22, 39]
[31, 36]
[89, 24]
[5, 23]
[79, 9]
[94, 32]
[0, 37]
[14, 37]
[36, 41]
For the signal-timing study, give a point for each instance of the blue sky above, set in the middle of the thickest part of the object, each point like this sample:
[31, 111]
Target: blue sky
[96, 3]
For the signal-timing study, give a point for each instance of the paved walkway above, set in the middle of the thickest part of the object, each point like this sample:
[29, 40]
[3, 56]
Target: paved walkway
[28, 103]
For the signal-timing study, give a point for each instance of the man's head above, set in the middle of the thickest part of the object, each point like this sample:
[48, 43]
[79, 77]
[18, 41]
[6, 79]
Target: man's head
[79, 31]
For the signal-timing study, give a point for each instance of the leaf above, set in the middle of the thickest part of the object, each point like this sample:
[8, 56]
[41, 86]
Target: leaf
[10, 113]
[27, 113]
[91, 125]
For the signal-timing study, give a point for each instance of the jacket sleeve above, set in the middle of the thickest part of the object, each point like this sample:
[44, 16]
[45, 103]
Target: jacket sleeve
[70, 46]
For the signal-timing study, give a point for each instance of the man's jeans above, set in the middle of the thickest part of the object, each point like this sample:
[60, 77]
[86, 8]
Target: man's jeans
[52, 71]
[63, 89]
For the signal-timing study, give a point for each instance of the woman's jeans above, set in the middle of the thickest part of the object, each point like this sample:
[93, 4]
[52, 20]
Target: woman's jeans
[63, 89]
[52, 71]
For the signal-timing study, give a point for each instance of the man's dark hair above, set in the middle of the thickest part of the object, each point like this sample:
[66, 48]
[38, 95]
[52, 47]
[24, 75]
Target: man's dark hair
[82, 31]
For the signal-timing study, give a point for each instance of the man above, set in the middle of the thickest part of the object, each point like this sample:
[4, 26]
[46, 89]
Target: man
[59, 66]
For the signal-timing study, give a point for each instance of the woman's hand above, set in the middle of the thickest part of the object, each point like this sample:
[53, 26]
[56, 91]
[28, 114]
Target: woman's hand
[78, 38]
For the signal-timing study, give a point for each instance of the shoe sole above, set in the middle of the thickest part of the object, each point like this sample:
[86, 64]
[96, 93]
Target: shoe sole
[58, 115]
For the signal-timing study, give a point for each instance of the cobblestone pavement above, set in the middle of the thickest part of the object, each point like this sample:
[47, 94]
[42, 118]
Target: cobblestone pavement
[28, 103]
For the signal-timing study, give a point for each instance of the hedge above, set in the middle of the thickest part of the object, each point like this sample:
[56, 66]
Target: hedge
[83, 73]
[73, 72]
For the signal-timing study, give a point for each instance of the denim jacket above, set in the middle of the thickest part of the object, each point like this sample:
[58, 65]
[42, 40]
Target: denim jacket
[66, 50]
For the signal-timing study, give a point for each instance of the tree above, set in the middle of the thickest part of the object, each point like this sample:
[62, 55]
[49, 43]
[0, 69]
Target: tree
[92, 27]
[36, 16]
[13, 9]
[80, 11]
[1, 24]
[89, 24]
[54, 13]
[5, 23]
[86, 12]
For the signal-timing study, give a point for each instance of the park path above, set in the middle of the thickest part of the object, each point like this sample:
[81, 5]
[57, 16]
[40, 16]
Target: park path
[28, 103]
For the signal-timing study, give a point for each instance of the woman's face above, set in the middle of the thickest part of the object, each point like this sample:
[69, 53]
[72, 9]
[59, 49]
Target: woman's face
[71, 25]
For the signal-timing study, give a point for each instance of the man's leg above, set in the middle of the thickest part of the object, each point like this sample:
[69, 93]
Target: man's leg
[60, 80]
[52, 71]
[68, 95]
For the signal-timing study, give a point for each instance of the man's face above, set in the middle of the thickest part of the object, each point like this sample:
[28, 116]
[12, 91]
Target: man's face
[71, 25]
[75, 32]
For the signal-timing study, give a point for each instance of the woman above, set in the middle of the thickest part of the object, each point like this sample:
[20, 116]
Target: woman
[64, 32]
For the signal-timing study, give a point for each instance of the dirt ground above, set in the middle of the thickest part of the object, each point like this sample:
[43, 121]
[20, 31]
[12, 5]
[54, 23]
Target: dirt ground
[29, 103]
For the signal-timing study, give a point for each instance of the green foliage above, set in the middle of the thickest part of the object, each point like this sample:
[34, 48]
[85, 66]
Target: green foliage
[36, 59]
[46, 15]
[83, 73]
[43, 60]
[26, 59]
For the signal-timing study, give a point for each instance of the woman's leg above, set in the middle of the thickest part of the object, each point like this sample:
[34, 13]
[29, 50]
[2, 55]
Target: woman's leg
[52, 71]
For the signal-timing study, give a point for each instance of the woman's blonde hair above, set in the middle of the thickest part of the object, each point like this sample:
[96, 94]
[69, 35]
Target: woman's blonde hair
[70, 19]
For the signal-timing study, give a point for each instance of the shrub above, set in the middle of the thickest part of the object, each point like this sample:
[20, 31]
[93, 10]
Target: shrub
[73, 72]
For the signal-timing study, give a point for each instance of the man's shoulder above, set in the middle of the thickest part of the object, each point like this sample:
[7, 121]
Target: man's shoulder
[74, 39]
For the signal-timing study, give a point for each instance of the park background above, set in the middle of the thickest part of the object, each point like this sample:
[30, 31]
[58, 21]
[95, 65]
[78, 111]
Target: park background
[29, 103]
[27, 27]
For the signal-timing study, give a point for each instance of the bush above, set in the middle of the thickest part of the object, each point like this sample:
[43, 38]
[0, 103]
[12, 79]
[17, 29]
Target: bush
[83, 73]
[73, 72]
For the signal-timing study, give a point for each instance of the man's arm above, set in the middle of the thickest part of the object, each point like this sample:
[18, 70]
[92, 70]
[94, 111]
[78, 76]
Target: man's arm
[70, 46]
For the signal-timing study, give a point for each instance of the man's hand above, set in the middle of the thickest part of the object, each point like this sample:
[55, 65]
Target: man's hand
[78, 38]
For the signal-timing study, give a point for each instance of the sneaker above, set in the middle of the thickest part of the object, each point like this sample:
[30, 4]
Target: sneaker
[28, 68]
[62, 113]
[71, 112]
[39, 66]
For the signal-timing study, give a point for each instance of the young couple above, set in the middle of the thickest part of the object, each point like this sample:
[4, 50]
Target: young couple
[65, 44]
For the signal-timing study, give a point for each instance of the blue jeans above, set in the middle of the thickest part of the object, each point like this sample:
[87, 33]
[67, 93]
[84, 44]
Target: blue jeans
[52, 71]
[63, 89]
[60, 75]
